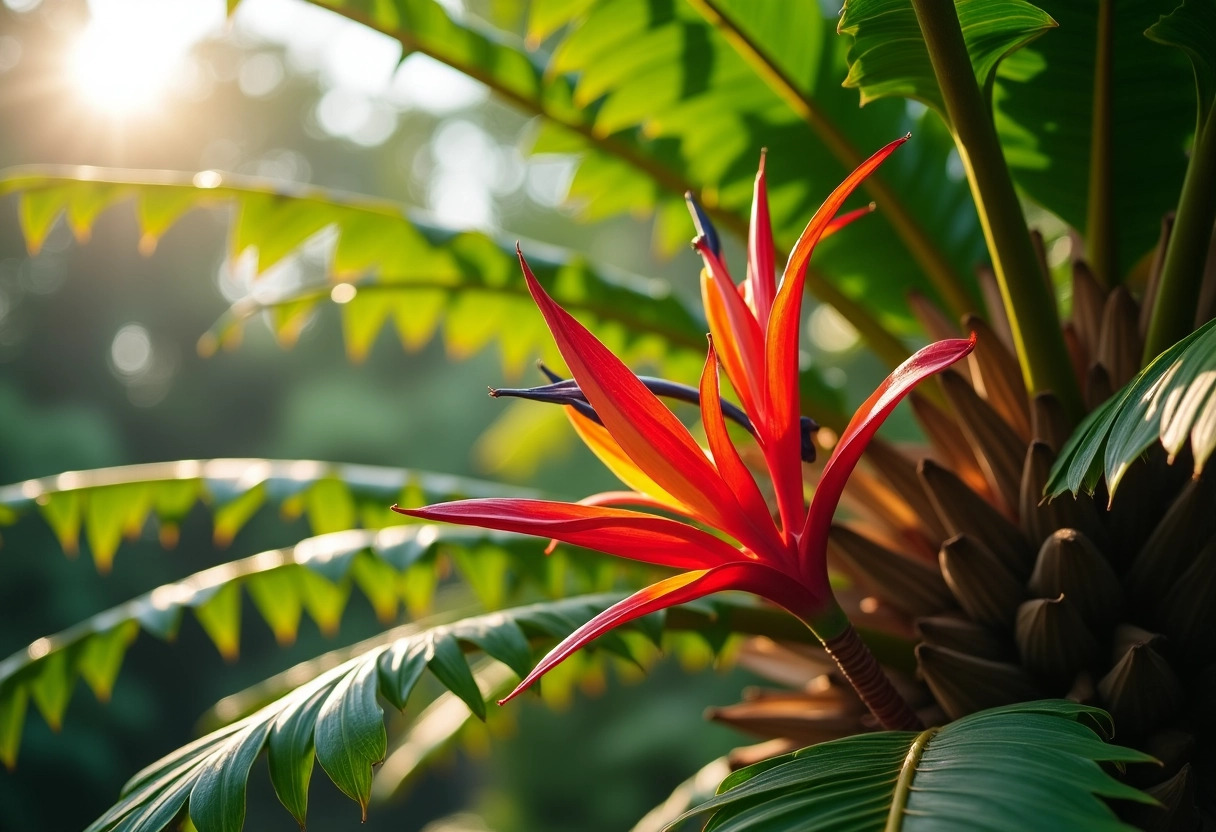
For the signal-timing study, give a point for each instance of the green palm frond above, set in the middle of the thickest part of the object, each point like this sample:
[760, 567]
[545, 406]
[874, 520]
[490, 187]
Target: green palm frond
[1034, 765]
[402, 269]
[337, 718]
[664, 104]
[390, 566]
[109, 504]
[1172, 400]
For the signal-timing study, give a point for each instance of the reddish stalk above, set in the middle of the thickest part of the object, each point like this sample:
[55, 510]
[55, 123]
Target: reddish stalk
[863, 672]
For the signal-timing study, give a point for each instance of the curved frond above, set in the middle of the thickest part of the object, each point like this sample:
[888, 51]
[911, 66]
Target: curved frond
[1173, 400]
[108, 504]
[337, 718]
[402, 270]
[1029, 766]
[391, 566]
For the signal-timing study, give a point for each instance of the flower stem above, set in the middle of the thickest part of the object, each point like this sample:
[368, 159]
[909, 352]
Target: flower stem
[1026, 295]
[1182, 272]
[843, 643]
[1100, 221]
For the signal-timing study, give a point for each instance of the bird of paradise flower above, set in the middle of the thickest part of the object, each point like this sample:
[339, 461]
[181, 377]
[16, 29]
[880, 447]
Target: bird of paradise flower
[754, 328]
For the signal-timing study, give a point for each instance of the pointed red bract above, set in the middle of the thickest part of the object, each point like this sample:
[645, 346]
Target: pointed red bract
[781, 410]
[861, 429]
[761, 261]
[727, 459]
[743, 331]
[678, 589]
[645, 429]
[627, 534]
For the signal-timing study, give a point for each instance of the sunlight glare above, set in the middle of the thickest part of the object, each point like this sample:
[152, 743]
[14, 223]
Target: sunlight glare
[132, 51]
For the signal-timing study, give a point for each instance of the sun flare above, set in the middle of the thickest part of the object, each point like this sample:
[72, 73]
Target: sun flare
[131, 53]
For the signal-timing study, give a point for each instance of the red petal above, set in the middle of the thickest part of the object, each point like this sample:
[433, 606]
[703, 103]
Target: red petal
[846, 219]
[761, 276]
[644, 428]
[627, 534]
[744, 331]
[679, 589]
[782, 442]
[865, 423]
[730, 465]
[615, 459]
[728, 347]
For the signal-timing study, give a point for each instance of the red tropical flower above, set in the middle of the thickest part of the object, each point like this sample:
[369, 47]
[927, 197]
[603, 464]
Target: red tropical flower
[754, 334]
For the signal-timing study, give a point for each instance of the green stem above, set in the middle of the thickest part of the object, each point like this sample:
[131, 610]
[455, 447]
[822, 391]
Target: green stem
[1100, 221]
[1182, 272]
[1028, 301]
[928, 254]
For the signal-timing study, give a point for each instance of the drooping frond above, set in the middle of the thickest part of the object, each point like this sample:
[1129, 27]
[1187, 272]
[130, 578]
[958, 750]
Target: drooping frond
[397, 269]
[109, 504]
[391, 567]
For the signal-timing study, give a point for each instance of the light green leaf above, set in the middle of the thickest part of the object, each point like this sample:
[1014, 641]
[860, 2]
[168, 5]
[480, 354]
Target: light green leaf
[1171, 400]
[120, 499]
[1032, 765]
[220, 616]
[100, 657]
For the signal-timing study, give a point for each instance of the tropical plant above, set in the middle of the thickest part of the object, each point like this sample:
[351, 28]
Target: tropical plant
[1032, 580]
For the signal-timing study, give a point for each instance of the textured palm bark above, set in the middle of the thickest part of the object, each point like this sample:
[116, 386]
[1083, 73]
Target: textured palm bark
[872, 685]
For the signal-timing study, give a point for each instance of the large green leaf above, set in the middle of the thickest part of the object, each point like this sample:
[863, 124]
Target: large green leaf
[1028, 766]
[1192, 28]
[110, 503]
[1173, 400]
[341, 711]
[1042, 93]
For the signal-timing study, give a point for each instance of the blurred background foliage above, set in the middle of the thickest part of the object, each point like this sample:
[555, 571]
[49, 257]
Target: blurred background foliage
[98, 366]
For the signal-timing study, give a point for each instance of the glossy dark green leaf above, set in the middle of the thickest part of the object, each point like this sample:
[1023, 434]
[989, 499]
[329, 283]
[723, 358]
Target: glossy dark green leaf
[446, 660]
[290, 755]
[1043, 85]
[1171, 400]
[350, 736]
[217, 801]
[1032, 765]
